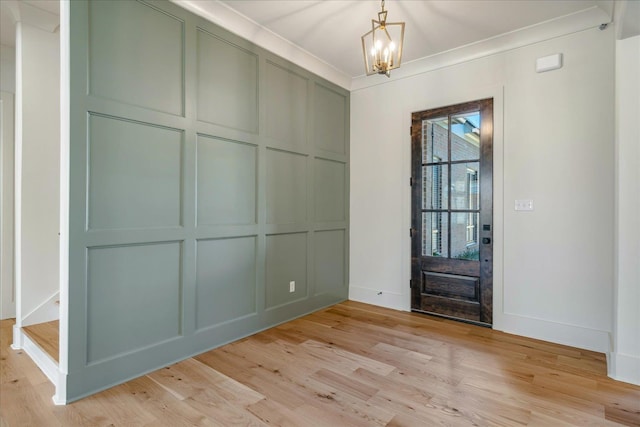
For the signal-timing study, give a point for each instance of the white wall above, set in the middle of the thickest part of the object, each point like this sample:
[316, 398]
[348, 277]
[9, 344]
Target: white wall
[553, 143]
[625, 359]
[8, 88]
[7, 69]
[37, 173]
[7, 283]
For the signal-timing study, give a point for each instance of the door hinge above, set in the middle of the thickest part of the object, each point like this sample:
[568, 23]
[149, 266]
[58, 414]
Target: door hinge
[410, 284]
[411, 232]
[410, 181]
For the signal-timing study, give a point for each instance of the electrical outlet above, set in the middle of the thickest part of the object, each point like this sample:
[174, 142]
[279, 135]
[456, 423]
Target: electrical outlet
[292, 286]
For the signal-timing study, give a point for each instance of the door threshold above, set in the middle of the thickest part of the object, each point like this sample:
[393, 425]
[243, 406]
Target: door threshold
[457, 319]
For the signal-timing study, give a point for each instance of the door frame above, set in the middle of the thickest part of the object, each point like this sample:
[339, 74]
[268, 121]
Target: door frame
[460, 308]
[431, 100]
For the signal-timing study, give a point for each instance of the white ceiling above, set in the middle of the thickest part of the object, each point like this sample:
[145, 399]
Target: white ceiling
[331, 30]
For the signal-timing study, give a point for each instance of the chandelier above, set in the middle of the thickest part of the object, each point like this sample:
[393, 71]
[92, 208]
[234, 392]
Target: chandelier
[382, 46]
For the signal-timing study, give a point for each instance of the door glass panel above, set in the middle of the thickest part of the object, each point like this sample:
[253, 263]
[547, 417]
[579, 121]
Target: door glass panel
[465, 185]
[465, 136]
[435, 186]
[464, 236]
[435, 140]
[435, 234]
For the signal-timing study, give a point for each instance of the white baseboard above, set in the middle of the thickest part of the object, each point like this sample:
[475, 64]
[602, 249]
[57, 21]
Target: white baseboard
[40, 357]
[559, 333]
[380, 298]
[17, 338]
[624, 367]
[60, 397]
[47, 311]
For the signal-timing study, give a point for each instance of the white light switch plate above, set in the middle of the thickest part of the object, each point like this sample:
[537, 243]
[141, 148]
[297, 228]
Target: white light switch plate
[524, 205]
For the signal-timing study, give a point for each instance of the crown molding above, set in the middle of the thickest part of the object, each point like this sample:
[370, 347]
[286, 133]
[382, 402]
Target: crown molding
[31, 15]
[579, 21]
[222, 15]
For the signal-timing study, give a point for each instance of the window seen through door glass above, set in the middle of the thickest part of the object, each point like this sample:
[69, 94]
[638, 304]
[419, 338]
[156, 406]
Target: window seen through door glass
[435, 234]
[465, 185]
[464, 236]
[435, 140]
[435, 184]
[465, 136]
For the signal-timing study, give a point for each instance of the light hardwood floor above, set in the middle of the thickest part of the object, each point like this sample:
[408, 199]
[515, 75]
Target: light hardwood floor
[349, 365]
[47, 336]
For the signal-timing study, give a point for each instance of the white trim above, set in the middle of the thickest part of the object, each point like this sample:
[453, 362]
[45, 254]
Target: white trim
[557, 332]
[588, 18]
[60, 397]
[65, 104]
[17, 338]
[41, 358]
[231, 20]
[37, 17]
[17, 192]
[228, 18]
[380, 298]
[47, 311]
[624, 367]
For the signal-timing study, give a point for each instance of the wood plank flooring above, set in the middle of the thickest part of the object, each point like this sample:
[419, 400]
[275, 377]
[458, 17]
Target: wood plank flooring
[47, 336]
[348, 365]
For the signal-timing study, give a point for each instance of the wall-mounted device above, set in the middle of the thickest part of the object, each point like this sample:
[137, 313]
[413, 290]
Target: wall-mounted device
[548, 63]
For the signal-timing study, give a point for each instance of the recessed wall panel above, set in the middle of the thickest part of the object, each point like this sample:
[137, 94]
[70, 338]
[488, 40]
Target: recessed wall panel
[134, 174]
[329, 120]
[136, 55]
[329, 190]
[286, 187]
[329, 260]
[286, 112]
[226, 182]
[183, 132]
[133, 298]
[227, 84]
[286, 263]
[225, 280]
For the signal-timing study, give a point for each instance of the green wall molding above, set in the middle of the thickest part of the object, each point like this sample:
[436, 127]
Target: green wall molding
[206, 173]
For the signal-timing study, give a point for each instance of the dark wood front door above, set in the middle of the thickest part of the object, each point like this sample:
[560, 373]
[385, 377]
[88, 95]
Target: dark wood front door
[452, 211]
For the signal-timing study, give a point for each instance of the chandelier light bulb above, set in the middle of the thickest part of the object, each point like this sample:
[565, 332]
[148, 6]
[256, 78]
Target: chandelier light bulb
[382, 46]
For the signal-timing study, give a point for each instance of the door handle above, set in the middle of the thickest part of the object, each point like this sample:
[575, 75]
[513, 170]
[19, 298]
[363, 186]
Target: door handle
[486, 240]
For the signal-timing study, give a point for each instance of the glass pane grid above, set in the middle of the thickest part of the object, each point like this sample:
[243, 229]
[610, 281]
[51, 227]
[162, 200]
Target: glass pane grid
[451, 186]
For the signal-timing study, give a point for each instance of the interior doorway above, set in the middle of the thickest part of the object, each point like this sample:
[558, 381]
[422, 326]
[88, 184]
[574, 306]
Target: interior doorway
[452, 211]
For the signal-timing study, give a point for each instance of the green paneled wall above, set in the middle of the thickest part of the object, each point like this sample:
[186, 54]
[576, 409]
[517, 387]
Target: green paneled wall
[206, 174]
